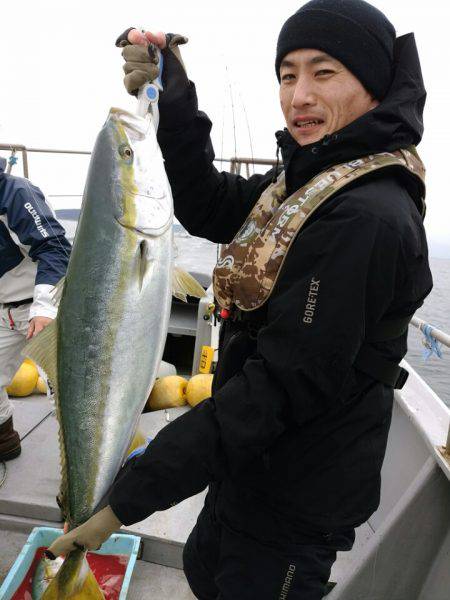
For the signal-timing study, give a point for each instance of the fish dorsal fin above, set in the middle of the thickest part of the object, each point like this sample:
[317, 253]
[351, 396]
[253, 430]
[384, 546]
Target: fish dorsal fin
[57, 291]
[183, 284]
[43, 350]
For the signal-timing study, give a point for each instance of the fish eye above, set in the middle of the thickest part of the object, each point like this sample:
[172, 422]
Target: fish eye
[126, 152]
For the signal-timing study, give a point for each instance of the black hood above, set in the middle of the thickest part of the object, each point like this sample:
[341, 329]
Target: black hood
[397, 122]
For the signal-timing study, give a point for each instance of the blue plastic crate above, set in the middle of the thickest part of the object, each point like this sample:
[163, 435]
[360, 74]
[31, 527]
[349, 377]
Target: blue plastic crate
[118, 543]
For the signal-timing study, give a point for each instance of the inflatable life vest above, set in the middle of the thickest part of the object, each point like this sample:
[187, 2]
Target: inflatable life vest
[248, 267]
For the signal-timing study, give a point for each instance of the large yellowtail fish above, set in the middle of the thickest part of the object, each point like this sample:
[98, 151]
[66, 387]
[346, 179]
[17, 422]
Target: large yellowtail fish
[103, 351]
[45, 572]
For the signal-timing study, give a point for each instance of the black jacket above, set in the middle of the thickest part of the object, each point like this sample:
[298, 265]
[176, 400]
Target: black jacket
[294, 436]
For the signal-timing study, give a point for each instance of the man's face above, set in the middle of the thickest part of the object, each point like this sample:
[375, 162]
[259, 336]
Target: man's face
[318, 95]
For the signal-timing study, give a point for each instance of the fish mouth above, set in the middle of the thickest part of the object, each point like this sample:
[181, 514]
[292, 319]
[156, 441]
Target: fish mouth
[132, 123]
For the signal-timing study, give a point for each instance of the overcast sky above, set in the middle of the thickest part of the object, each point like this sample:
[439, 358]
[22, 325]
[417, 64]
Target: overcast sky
[61, 72]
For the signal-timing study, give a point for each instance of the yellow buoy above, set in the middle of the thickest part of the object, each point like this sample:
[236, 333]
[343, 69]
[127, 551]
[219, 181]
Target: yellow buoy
[41, 386]
[168, 392]
[24, 381]
[199, 388]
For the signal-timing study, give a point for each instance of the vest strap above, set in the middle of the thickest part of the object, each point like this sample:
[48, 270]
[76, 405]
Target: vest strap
[369, 361]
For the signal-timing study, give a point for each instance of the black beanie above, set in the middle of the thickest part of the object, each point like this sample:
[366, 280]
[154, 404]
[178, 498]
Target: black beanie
[352, 31]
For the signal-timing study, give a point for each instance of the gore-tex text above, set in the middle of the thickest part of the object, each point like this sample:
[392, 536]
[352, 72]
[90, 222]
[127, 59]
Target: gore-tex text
[311, 301]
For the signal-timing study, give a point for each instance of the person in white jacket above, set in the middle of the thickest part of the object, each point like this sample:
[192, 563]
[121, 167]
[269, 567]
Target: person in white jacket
[34, 254]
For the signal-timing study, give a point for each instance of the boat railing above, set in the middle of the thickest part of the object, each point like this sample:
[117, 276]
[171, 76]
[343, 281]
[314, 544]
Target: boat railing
[24, 150]
[436, 333]
[236, 162]
[443, 338]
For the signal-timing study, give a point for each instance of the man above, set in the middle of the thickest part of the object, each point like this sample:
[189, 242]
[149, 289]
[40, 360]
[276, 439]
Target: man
[33, 257]
[323, 266]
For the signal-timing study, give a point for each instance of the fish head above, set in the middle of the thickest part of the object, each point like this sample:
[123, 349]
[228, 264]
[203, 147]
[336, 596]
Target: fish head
[142, 196]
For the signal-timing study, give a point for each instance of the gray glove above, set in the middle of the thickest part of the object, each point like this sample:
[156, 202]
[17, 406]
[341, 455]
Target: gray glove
[141, 64]
[88, 536]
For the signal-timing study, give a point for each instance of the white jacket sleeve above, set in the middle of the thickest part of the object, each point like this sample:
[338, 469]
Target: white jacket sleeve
[43, 305]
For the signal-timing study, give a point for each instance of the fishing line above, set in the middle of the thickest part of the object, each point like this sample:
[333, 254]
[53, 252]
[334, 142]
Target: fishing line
[3, 467]
[3, 475]
[246, 121]
[232, 111]
[223, 132]
[248, 130]
[223, 111]
[37, 425]
[221, 147]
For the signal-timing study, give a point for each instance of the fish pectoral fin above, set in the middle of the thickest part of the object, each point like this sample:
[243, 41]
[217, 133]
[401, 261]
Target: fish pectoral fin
[183, 285]
[57, 291]
[43, 350]
[145, 261]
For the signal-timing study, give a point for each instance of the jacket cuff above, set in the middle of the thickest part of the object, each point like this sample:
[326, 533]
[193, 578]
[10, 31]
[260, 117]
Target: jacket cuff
[121, 513]
[177, 112]
[43, 305]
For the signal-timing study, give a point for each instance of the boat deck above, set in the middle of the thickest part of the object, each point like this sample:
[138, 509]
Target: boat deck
[414, 477]
[27, 499]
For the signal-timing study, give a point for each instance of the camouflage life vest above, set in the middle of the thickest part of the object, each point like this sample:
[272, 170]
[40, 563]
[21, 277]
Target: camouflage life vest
[248, 267]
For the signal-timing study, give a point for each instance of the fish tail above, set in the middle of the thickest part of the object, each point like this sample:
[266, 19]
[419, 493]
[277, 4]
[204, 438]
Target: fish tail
[74, 581]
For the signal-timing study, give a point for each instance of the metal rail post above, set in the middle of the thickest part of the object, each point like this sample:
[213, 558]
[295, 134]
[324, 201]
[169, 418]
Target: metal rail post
[25, 162]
